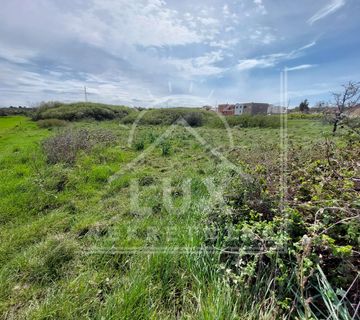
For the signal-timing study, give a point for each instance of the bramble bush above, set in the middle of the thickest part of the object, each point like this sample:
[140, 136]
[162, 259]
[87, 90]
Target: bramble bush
[65, 146]
[310, 242]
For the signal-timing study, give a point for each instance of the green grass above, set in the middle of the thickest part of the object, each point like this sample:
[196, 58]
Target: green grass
[72, 245]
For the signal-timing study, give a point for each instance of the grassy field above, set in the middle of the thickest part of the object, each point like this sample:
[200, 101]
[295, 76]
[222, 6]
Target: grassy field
[122, 232]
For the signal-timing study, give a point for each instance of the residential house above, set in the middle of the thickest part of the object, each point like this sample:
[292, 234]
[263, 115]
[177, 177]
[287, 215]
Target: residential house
[237, 109]
[226, 109]
[276, 109]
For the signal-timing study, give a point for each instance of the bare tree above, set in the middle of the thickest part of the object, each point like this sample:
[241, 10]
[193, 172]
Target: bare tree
[345, 100]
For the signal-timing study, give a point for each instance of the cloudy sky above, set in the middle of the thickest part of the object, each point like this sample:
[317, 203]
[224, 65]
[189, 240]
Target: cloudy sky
[176, 53]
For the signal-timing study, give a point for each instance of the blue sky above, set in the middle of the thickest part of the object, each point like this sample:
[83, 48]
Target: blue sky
[176, 53]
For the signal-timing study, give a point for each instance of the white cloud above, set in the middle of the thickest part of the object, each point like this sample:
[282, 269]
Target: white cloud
[199, 66]
[131, 22]
[16, 54]
[124, 49]
[260, 7]
[309, 45]
[262, 34]
[208, 21]
[271, 60]
[333, 6]
[247, 64]
[301, 67]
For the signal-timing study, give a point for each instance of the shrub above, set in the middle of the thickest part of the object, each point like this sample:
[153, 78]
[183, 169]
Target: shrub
[194, 119]
[146, 181]
[165, 148]
[151, 137]
[79, 111]
[42, 107]
[50, 123]
[139, 145]
[65, 146]
[291, 241]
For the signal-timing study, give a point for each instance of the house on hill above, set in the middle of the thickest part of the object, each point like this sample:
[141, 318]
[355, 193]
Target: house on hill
[238, 109]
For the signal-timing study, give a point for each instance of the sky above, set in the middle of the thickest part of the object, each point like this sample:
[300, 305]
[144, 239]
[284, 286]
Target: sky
[155, 53]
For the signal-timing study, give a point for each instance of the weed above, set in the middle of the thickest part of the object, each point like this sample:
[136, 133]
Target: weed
[165, 148]
[65, 146]
[194, 119]
[139, 145]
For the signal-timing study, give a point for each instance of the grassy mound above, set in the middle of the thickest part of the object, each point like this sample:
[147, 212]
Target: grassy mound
[48, 112]
[79, 111]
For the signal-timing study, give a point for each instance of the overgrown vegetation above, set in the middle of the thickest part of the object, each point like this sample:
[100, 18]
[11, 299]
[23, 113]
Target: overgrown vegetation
[79, 111]
[313, 234]
[52, 114]
[65, 146]
[76, 243]
[15, 111]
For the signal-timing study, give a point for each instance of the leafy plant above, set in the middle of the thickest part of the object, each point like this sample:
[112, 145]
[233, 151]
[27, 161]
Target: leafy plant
[139, 145]
[165, 148]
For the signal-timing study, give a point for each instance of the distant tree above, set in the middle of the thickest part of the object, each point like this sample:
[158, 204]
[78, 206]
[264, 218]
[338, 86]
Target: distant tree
[346, 99]
[304, 106]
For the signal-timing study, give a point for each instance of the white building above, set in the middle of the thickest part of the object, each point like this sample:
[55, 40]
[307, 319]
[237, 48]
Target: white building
[276, 109]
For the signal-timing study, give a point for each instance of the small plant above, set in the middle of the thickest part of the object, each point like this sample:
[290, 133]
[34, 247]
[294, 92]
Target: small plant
[165, 148]
[194, 119]
[146, 180]
[139, 145]
[151, 137]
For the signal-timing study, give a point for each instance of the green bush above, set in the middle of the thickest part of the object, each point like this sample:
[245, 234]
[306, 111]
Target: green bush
[165, 148]
[50, 123]
[194, 119]
[79, 111]
[139, 145]
[311, 231]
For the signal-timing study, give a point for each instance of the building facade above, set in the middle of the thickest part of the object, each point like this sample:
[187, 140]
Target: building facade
[226, 109]
[276, 109]
[238, 109]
